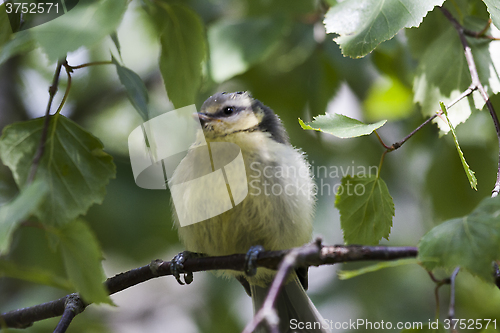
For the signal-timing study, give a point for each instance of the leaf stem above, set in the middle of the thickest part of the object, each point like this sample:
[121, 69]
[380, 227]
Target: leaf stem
[381, 162]
[41, 146]
[69, 70]
[438, 283]
[476, 84]
[95, 63]
[382, 142]
[482, 33]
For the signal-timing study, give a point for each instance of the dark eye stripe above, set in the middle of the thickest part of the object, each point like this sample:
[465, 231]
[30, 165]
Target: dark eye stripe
[228, 111]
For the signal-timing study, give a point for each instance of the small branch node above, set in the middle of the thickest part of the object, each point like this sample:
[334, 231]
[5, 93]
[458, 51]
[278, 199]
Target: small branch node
[313, 254]
[154, 266]
[74, 303]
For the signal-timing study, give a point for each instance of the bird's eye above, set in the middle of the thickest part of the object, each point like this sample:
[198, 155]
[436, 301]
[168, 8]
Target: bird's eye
[228, 110]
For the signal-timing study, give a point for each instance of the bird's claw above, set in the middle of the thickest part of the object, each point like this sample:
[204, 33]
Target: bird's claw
[250, 258]
[177, 267]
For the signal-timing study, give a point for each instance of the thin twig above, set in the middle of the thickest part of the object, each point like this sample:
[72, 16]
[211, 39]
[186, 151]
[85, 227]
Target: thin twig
[267, 313]
[436, 297]
[52, 92]
[43, 138]
[92, 64]
[398, 144]
[69, 70]
[270, 259]
[451, 310]
[476, 83]
[482, 33]
[439, 283]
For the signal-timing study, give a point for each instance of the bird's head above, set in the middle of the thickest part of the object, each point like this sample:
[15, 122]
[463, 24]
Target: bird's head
[224, 115]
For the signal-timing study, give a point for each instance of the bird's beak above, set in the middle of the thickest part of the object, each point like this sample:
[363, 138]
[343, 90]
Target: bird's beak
[204, 118]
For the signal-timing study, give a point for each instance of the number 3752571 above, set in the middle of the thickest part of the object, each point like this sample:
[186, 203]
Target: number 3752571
[31, 8]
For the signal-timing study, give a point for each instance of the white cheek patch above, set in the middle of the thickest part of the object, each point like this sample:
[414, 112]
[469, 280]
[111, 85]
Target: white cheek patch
[245, 120]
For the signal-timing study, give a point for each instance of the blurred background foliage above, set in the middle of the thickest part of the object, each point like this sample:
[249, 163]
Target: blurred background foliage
[279, 51]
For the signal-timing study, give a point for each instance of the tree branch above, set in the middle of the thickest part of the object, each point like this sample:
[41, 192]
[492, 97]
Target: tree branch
[43, 138]
[267, 313]
[451, 309]
[95, 63]
[476, 84]
[72, 306]
[398, 144]
[327, 255]
[439, 284]
[482, 33]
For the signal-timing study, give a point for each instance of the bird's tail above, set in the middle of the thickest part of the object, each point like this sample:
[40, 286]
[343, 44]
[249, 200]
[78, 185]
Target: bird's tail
[295, 310]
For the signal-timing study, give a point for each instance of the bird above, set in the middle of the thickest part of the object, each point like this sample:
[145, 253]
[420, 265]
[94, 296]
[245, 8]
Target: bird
[276, 214]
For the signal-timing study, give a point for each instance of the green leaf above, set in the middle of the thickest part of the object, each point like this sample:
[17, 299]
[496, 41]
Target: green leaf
[17, 210]
[468, 170]
[20, 42]
[82, 260]
[363, 24]
[5, 27]
[341, 126]
[32, 274]
[73, 165]
[183, 50]
[114, 38]
[443, 74]
[366, 209]
[434, 327]
[344, 275]
[388, 98]
[85, 25]
[294, 47]
[136, 90]
[236, 45]
[471, 242]
[494, 10]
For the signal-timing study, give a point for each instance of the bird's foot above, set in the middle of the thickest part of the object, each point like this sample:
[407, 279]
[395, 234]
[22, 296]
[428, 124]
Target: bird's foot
[250, 258]
[177, 267]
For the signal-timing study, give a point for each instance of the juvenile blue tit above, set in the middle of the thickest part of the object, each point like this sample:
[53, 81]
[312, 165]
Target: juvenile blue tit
[276, 214]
